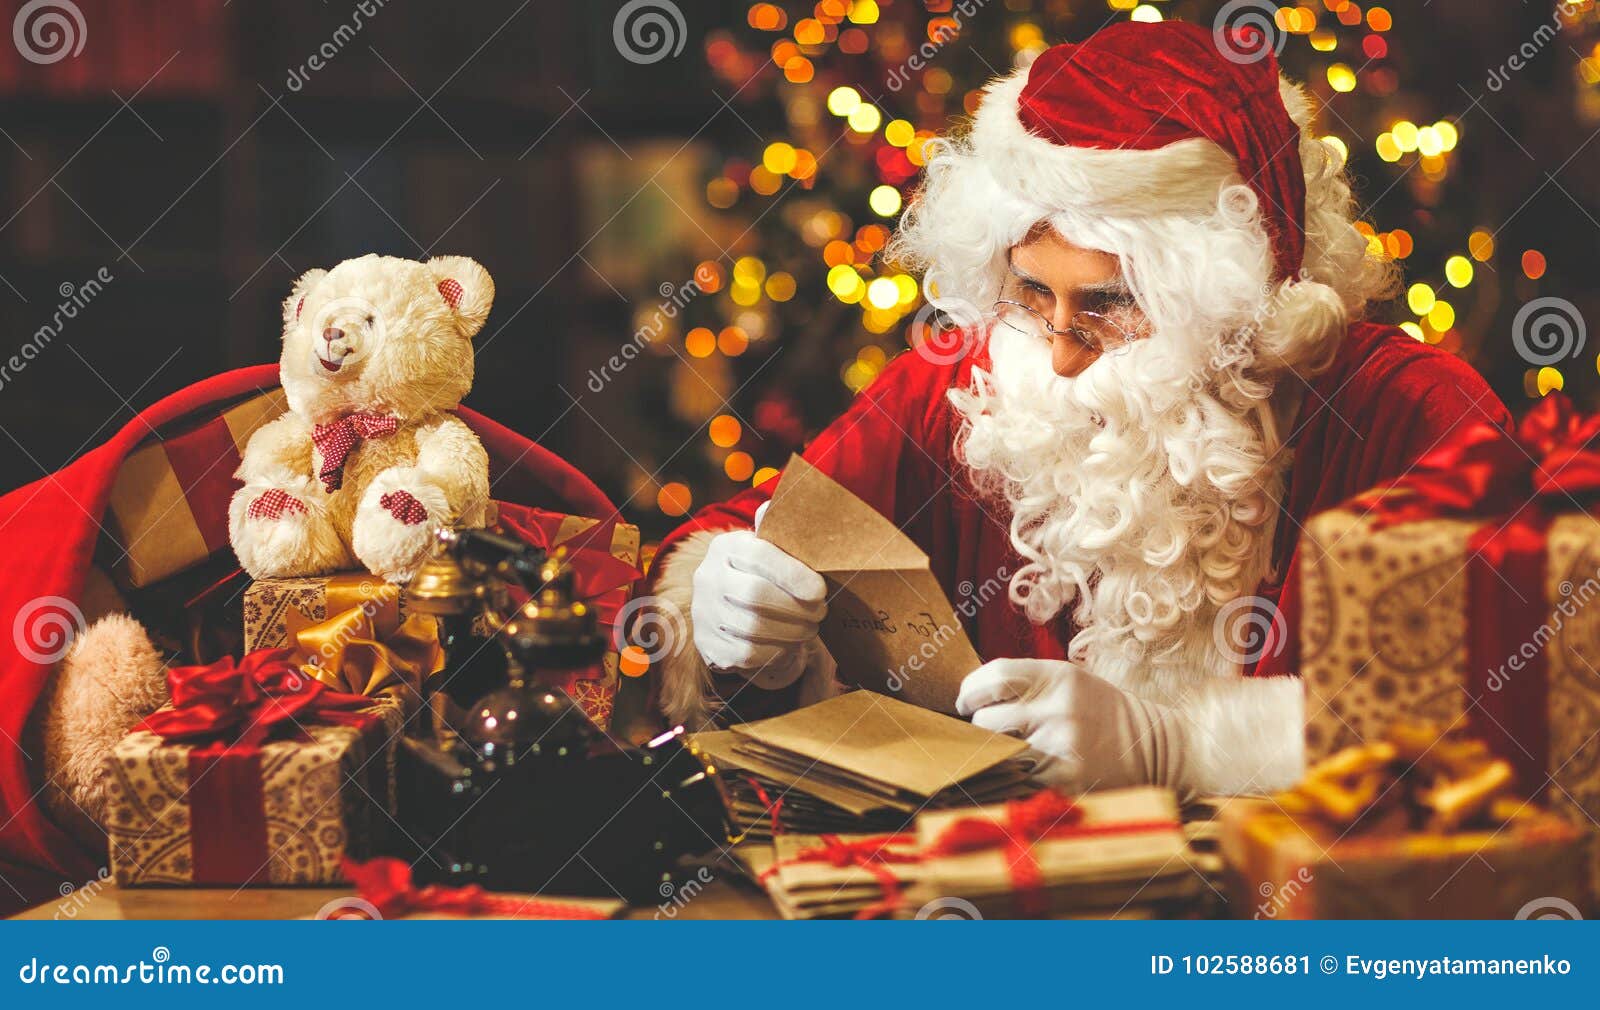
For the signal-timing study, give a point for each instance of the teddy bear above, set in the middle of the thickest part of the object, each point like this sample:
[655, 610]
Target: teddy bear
[368, 461]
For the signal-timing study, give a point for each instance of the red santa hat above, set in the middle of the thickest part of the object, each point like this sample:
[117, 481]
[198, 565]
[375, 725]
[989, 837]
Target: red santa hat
[1153, 98]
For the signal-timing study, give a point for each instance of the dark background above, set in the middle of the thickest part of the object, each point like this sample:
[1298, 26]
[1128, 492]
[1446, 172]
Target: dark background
[173, 153]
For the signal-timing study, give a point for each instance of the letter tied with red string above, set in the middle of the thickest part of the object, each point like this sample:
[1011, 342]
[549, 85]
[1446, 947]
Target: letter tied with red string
[1021, 824]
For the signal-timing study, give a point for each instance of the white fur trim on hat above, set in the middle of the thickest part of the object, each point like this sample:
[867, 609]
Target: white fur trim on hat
[1184, 175]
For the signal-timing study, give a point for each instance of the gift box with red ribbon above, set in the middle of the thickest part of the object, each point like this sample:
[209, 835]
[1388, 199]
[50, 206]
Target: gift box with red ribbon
[1467, 593]
[257, 773]
[168, 507]
[604, 557]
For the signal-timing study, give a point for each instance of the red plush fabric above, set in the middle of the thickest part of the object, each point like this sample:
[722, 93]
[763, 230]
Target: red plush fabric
[1386, 400]
[1142, 86]
[49, 530]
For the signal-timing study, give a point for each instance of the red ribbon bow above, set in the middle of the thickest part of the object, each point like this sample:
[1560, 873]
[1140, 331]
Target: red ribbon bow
[337, 440]
[242, 703]
[1482, 469]
[1515, 482]
[386, 883]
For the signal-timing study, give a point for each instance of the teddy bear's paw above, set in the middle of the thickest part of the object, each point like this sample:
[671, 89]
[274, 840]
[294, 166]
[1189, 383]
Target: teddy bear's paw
[274, 503]
[394, 524]
[404, 507]
[279, 533]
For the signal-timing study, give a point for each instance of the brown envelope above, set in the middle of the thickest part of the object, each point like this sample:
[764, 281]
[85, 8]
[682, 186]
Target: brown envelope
[890, 626]
[722, 747]
[887, 741]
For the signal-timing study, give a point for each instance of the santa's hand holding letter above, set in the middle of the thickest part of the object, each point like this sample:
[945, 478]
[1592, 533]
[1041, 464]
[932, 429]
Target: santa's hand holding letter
[1168, 370]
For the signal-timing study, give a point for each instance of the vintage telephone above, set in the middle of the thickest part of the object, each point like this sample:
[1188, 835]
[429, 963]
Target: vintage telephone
[507, 783]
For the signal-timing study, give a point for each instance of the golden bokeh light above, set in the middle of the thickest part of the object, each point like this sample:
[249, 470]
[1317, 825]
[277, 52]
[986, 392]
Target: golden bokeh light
[1458, 271]
[738, 466]
[700, 342]
[725, 431]
[1480, 245]
[674, 499]
[884, 201]
[732, 341]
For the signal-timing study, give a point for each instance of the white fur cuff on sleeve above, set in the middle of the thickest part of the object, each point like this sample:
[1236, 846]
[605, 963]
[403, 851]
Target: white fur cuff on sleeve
[1248, 734]
[687, 695]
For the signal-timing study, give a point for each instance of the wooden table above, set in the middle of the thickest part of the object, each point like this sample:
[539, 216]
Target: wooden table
[727, 895]
[722, 898]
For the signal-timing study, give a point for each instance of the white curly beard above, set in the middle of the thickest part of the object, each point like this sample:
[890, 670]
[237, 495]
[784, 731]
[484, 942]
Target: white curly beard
[1136, 497]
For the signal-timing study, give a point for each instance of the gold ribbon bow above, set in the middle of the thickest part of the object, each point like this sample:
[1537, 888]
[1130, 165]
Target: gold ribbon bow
[1417, 777]
[363, 647]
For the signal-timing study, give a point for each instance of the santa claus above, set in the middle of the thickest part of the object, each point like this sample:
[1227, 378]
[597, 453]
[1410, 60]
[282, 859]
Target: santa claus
[1168, 372]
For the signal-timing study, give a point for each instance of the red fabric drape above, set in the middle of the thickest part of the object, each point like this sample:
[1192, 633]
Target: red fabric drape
[49, 529]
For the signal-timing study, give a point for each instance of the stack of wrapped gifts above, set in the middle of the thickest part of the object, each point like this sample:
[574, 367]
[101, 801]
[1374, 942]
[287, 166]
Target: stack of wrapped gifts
[1464, 595]
[274, 764]
[321, 614]
[866, 806]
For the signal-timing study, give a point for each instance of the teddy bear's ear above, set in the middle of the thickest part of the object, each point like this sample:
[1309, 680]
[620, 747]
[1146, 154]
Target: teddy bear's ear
[296, 302]
[466, 287]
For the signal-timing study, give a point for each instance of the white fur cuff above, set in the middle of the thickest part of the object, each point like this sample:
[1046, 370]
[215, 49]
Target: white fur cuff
[687, 695]
[1247, 734]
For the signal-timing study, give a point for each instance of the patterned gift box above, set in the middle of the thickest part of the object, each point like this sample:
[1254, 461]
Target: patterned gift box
[1464, 594]
[169, 503]
[1387, 632]
[283, 812]
[276, 609]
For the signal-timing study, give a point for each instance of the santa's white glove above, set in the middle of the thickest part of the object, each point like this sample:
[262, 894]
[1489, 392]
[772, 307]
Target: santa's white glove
[756, 610]
[1088, 733]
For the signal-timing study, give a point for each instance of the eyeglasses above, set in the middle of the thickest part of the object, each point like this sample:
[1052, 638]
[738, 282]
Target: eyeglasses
[1094, 331]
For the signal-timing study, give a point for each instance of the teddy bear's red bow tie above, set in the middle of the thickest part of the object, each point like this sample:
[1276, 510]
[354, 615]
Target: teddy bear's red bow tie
[336, 441]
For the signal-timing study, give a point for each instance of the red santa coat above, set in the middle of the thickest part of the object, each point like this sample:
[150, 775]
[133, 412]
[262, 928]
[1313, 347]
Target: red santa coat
[1386, 400]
